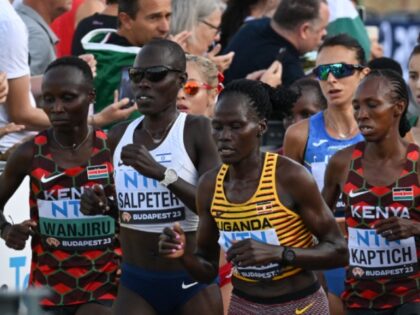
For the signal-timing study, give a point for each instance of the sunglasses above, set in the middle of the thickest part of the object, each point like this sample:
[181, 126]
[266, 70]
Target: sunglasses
[192, 87]
[338, 70]
[152, 74]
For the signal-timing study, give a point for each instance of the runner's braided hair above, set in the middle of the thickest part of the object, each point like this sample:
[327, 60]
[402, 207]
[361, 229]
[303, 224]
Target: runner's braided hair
[267, 102]
[396, 91]
[74, 62]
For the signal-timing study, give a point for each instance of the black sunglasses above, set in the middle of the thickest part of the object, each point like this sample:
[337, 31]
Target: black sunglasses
[152, 74]
[339, 70]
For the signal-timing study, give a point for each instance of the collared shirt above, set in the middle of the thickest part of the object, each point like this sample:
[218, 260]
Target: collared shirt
[42, 39]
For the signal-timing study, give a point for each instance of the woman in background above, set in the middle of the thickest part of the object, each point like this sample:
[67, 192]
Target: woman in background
[202, 19]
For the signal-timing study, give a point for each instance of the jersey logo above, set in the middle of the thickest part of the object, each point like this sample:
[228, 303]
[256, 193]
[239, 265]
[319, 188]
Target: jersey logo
[189, 285]
[50, 178]
[303, 310]
[319, 143]
[97, 172]
[355, 194]
[402, 194]
[264, 207]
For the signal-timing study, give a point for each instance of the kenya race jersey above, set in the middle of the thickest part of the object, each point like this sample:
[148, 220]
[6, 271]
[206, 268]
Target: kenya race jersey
[74, 255]
[382, 274]
[263, 218]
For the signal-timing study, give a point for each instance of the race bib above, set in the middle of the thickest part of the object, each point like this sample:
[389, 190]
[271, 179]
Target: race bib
[143, 200]
[372, 256]
[63, 226]
[260, 272]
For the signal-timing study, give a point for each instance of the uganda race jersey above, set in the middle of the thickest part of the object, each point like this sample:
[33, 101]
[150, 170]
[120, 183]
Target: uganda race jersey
[262, 218]
[382, 274]
[74, 255]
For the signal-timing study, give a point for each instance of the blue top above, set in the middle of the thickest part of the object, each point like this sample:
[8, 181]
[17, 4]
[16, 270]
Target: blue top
[320, 147]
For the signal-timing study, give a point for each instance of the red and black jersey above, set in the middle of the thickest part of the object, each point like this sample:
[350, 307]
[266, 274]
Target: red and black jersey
[74, 255]
[382, 274]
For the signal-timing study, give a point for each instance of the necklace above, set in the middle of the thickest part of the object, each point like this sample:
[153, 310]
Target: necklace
[340, 134]
[74, 146]
[165, 131]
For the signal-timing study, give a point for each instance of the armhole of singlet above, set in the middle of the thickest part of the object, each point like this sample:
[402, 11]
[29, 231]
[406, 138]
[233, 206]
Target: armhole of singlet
[220, 174]
[275, 192]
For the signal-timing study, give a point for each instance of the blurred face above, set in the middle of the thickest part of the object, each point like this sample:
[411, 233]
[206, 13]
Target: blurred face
[201, 103]
[65, 97]
[155, 80]
[339, 91]
[235, 128]
[59, 7]
[152, 21]
[304, 108]
[205, 33]
[414, 77]
[376, 116]
[316, 30]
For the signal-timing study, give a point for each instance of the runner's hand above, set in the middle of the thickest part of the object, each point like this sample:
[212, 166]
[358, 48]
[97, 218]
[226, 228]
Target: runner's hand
[94, 201]
[172, 242]
[139, 158]
[396, 228]
[16, 235]
[251, 253]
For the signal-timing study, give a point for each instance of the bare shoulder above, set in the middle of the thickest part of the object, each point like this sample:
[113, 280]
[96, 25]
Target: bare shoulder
[295, 140]
[197, 121]
[20, 160]
[116, 133]
[208, 179]
[339, 162]
[288, 170]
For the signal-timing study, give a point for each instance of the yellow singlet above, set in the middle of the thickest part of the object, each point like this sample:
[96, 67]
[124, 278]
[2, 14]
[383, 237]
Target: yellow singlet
[263, 218]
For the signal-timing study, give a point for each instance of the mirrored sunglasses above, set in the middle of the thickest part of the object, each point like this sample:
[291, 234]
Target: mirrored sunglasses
[192, 87]
[152, 74]
[338, 70]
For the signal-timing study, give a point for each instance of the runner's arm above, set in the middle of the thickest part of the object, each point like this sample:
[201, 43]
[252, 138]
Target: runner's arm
[331, 251]
[295, 141]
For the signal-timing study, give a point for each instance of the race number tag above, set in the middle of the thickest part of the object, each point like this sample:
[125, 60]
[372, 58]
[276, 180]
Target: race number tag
[372, 256]
[260, 272]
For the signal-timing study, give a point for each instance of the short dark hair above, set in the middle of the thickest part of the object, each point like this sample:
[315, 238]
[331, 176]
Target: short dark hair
[397, 92]
[173, 50]
[385, 63]
[130, 7]
[292, 13]
[73, 62]
[348, 42]
[266, 102]
[111, 2]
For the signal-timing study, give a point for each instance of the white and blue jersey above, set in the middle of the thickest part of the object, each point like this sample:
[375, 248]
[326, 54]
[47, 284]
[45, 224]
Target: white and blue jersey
[320, 147]
[144, 204]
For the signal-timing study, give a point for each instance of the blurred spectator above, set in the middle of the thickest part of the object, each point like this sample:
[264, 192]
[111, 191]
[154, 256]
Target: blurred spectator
[239, 11]
[297, 27]
[140, 21]
[202, 20]
[271, 76]
[20, 105]
[87, 8]
[37, 16]
[376, 49]
[63, 27]
[105, 19]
